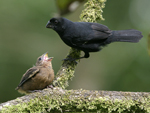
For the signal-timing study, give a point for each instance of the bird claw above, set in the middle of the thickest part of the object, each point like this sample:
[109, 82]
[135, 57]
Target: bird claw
[50, 86]
[34, 91]
[71, 60]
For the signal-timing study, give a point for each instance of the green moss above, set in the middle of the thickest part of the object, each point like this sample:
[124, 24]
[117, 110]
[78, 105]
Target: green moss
[60, 100]
[93, 11]
[67, 69]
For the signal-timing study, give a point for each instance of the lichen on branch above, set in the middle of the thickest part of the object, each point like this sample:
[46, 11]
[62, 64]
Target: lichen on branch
[93, 11]
[59, 100]
[67, 70]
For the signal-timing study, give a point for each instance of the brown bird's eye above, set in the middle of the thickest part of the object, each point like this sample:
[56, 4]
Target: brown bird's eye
[40, 59]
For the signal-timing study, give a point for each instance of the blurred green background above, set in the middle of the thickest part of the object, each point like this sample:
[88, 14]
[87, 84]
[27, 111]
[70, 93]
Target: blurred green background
[118, 67]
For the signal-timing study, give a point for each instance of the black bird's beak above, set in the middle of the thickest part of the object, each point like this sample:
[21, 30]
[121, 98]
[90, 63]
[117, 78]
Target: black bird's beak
[48, 25]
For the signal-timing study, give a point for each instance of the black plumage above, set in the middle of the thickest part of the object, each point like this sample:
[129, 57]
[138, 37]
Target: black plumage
[90, 37]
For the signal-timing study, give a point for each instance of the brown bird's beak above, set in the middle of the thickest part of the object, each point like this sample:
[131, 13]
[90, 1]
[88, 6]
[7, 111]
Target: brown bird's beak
[46, 54]
[46, 58]
[48, 25]
[50, 58]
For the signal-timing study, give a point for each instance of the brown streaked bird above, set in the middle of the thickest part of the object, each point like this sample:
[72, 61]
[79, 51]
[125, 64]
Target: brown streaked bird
[38, 77]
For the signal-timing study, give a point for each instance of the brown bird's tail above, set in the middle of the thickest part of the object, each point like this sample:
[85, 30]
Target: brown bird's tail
[130, 35]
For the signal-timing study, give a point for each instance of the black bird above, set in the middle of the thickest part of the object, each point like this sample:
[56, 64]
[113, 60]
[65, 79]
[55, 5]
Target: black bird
[90, 37]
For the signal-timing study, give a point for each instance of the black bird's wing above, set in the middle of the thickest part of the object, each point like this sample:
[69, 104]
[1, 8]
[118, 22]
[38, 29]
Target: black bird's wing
[91, 33]
[28, 75]
[100, 31]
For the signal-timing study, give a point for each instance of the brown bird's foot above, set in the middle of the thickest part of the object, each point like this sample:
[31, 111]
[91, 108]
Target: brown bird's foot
[50, 86]
[34, 91]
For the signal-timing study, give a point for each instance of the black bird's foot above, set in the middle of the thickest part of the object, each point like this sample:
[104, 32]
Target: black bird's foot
[71, 59]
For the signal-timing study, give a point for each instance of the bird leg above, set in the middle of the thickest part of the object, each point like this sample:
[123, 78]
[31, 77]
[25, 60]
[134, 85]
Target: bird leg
[71, 59]
[32, 91]
[50, 86]
[29, 91]
[86, 55]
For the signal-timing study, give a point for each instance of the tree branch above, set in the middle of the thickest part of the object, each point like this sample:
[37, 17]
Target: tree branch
[59, 100]
[67, 69]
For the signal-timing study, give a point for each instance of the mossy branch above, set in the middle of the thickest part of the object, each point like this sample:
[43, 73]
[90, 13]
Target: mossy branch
[59, 100]
[67, 70]
[91, 13]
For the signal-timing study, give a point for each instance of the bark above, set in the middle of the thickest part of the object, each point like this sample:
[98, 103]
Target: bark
[60, 100]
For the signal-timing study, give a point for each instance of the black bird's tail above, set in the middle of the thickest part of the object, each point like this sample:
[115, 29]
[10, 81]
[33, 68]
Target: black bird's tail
[130, 35]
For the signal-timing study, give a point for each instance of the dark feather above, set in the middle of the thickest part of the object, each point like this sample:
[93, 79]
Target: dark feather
[28, 75]
[91, 37]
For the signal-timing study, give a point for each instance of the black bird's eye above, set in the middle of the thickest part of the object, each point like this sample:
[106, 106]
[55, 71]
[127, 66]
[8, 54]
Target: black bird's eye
[56, 21]
[40, 59]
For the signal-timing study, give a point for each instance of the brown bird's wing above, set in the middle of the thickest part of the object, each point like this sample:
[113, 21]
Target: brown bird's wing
[29, 74]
